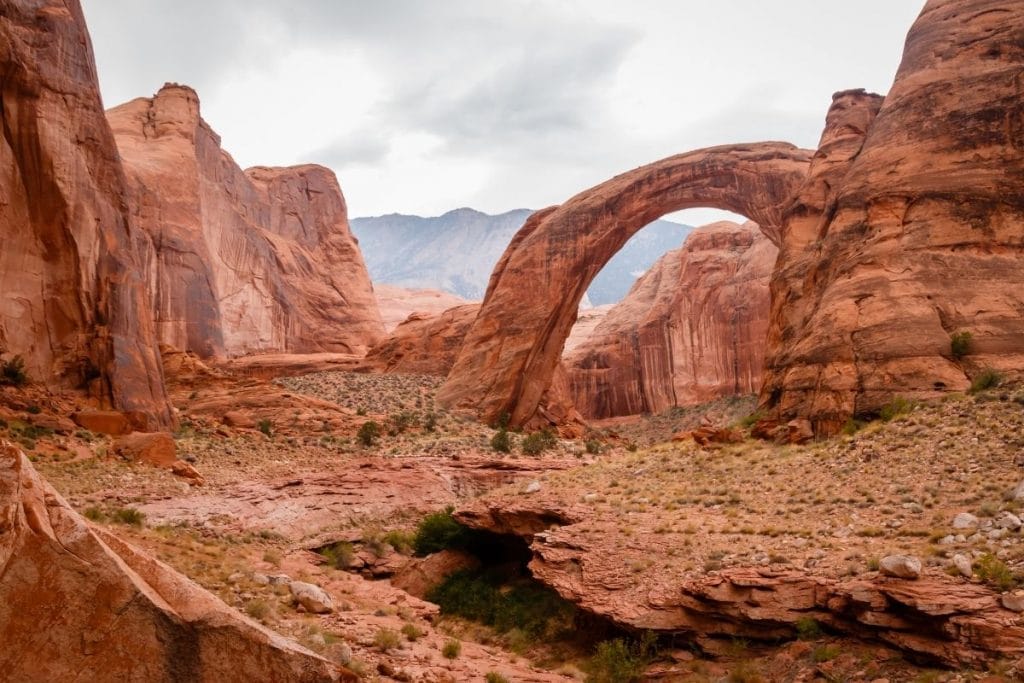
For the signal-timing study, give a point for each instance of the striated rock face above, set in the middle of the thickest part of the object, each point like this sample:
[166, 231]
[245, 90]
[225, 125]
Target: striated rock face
[71, 294]
[397, 303]
[243, 262]
[424, 344]
[78, 603]
[692, 329]
[511, 351]
[910, 228]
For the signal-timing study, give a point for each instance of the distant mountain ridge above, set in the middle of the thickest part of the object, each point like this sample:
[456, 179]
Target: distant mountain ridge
[456, 252]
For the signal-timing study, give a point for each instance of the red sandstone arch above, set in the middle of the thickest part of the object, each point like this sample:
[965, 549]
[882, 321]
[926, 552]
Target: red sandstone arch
[510, 353]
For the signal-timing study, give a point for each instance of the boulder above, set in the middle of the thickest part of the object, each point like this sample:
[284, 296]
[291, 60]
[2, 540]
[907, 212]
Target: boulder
[311, 597]
[420, 575]
[900, 566]
[112, 422]
[77, 603]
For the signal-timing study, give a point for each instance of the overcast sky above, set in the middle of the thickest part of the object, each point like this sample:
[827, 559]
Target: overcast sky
[425, 106]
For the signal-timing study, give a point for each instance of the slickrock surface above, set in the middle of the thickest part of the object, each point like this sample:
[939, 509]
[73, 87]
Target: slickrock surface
[71, 280]
[511, 352]
[726, 541]
[110, 612]
[692, 329]
[255, 261]
[910, 228]
[397, 303]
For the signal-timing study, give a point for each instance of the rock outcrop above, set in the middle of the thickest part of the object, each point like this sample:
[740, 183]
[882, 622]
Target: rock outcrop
[72, 298]
[513, 347]
[243, 262]
[691, 330]
[910, 228]
[424, 344]
[397, 303]
[78, 603]
[905, 228]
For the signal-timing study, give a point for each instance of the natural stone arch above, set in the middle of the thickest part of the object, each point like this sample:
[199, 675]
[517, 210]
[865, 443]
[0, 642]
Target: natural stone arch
[510, 354]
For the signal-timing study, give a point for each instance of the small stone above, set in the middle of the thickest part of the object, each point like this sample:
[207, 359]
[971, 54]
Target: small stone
[279, 579]
[532, 487]
[947, 540]
[1013, 601]
[1008, 520]
[262, 579]
[900, 566]
[963, 565]
[996, 534]
[312, 597]
[590, 497]
[965, 520]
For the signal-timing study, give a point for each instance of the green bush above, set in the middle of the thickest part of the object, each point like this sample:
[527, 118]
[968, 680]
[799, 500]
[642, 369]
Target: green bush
[619, 661]
[12, 372]
[807, 628]
[339, 555]
[986, 379]
[386, 640]
[501, 441]
[401, 541]
[538, 442]
[400, 422]
[994, 572]
[593, 446]
[430, 421]
[825, 653]
[960, 344]
[266, 426]
[439, 531]
[368, 433]
[533, 610]
[412, 632]
[495, 677]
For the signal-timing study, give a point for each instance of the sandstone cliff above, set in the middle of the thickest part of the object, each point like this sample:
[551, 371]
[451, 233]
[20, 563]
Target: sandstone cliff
[77, 603]
[909, 229]
[243, 262]
[72, 301]
[692, 329]
[424, 344]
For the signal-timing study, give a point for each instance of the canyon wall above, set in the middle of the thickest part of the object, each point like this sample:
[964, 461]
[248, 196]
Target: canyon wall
[909, 229]
[250, 261]
[72, 297]
[692, 329]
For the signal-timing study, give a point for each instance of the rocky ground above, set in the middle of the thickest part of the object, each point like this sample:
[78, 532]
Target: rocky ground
[638, 512]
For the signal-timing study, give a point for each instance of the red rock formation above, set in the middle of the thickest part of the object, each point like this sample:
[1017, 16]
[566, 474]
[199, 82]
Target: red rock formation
[910, 228]
[692, 329]
[244, 262]
[511, 352]
[71, 294]
[424, 344]
[78, 603]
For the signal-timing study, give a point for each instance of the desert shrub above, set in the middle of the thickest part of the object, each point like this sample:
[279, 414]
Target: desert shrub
[12, 372]
[852, 426]
[807, 628]
[896, 407]
[411, 632]
[401, 541]
[529, 609]
[495, 677]
[129, 516]
[994, 572]
[825, 653]
[620, 661]
[257, 609]
[593, 446]
[266, 426]
[94, 514]
[386, 640]
[986, 379]
[439, 531]
[752, 419]
[452, 648]
[339, 555]
[501, 441]
[538, 442]
[502, 421]
[430, 421]
[960, 344]
[400, 422]
[33, 409]
[368, 433]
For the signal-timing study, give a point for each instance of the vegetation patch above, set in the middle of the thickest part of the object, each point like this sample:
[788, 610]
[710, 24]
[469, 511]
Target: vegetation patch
[620, 660]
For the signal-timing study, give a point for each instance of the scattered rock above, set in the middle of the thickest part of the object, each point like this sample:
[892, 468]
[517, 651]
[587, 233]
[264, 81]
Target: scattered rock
[419, 575]
[532, 487]
[311, 597]
[1008, 520]
[1013, 601]
[900, 566]
[965, 520]
[963, 565]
